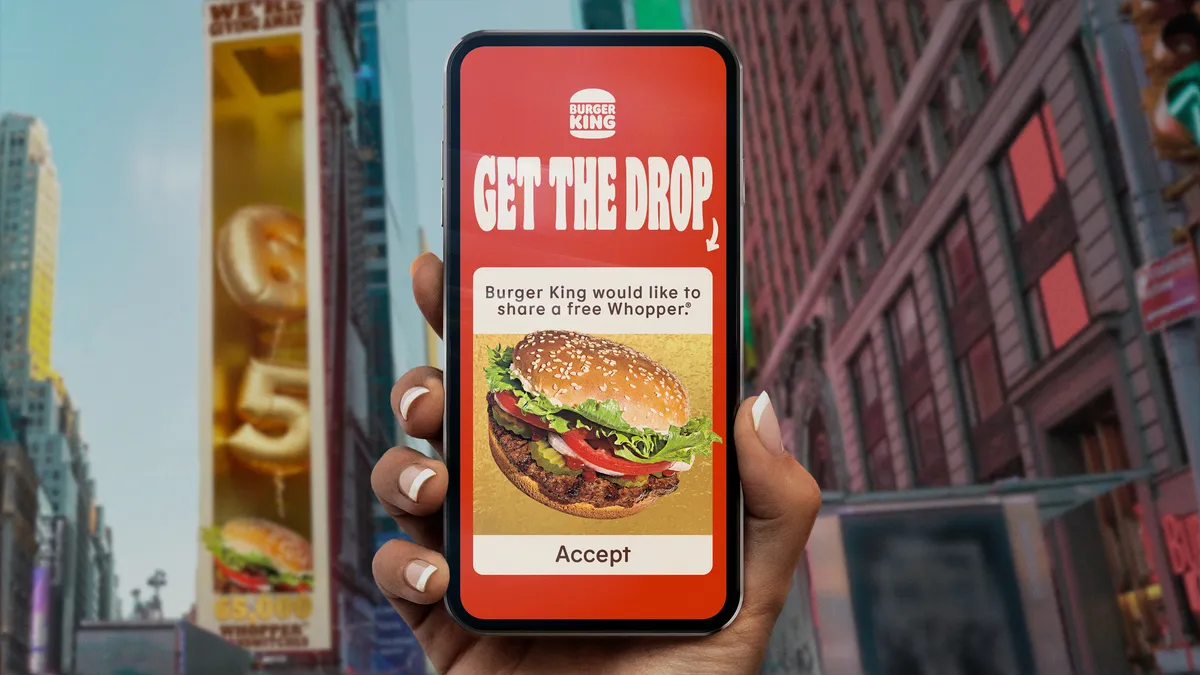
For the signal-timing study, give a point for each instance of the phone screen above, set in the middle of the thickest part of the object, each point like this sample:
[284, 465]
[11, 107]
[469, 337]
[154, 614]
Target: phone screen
[592, 265]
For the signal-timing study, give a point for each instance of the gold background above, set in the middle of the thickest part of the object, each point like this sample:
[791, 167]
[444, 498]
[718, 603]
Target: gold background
[257, 158]
[501, 508]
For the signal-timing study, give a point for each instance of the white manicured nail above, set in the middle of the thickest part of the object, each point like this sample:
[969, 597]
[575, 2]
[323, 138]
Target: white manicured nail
[756, 411]
[412, 478]
[408, 398]
[417, 574]
[766, 424]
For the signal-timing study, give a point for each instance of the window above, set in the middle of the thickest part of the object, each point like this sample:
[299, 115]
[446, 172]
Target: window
[1032, 168]
[865, 377]
[797, 53]
[979, 372]
[814, 140]
[918, 22]
[939, 124]
[825, 214]
[896, 61]
[919, 175]
[822, 105]
[906, 327]
[978, 62]
[810, 36]
[853, 276]
[925, 437]
[882, 473]
[857, 38]
[838, 187]
[858, 149]
[874, 112]
[957, 263]
[810, 244]
[1018, 20]
[1057, 307]
[840, 69]
[872, 247]
[891, 207]
[837, 300]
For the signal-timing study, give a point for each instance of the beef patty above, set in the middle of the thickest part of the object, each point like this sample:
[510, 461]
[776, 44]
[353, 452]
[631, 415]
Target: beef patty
[574, 489]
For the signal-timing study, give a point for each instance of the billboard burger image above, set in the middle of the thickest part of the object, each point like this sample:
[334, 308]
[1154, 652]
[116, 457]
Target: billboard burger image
[589, 426]
[252, 555]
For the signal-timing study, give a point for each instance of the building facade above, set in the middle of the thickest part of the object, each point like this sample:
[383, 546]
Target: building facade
[18, 546]
[37, 396]
[353, 427]
[940, 262]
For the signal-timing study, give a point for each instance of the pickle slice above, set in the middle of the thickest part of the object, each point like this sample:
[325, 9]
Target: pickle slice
[511, 423]
[628, 481]
[550, 459]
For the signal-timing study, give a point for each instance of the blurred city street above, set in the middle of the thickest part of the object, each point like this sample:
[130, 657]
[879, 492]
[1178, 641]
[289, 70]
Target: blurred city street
[971, 291]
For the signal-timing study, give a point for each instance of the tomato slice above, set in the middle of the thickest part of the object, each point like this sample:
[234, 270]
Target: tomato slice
[508, 403]
[247, 581]
[577, 440]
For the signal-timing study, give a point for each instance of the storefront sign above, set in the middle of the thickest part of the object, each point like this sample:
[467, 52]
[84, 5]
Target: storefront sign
[1169, 289]
[1181, 534]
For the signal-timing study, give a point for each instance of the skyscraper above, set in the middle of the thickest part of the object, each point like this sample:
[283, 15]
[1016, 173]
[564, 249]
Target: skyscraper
[29, 229]
[29, 194]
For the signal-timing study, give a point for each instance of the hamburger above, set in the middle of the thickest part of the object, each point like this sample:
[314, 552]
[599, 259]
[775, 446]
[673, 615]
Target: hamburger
[589, 426]
[252, 555]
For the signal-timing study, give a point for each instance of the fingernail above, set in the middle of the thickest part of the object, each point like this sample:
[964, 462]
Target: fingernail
[417, 574]
[766, 424]
[407, 399]
[412, 268]
[412, 478]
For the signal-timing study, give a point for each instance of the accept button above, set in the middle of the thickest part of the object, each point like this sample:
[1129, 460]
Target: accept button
[587, 554]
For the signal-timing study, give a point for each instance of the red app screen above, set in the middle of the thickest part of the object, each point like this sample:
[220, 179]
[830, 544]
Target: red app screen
[593, 322]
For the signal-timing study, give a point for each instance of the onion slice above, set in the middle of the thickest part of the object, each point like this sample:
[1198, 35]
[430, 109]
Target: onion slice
[560, 445]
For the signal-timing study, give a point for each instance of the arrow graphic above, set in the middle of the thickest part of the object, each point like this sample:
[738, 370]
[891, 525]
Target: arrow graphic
[711, 243]
[1183, 99]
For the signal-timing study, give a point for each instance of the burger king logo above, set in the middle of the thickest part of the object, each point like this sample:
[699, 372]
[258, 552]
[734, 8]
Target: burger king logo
[593, 114]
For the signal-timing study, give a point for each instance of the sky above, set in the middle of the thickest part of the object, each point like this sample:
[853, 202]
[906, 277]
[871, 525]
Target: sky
[121, 93]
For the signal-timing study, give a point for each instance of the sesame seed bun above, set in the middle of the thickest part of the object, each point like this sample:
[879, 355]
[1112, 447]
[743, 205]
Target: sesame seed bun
[291, 553]
[505, 446]
[571, 368]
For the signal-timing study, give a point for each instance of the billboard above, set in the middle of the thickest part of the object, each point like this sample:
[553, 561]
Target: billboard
[39, 621]
[263, 578]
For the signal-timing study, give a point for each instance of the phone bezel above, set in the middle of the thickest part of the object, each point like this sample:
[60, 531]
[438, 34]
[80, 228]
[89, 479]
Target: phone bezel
[735, 187]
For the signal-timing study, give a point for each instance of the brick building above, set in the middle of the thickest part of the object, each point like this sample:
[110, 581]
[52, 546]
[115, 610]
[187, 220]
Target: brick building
[940, 261]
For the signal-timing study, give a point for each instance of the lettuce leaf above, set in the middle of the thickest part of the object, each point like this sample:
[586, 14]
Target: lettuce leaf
[239, 561]
[644, 445]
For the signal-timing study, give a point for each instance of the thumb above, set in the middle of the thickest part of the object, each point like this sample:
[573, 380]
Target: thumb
[782, 501]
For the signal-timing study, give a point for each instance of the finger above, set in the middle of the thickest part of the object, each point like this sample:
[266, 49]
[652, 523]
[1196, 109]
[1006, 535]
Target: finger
[782, 501]
[427, 278]
[411, 496]
[411, 577]
[409, 483]
[418, 400]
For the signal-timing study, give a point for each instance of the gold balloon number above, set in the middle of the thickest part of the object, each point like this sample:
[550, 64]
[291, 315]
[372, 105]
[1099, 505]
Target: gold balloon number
[263, 608]
[266, 404]
[262, 264]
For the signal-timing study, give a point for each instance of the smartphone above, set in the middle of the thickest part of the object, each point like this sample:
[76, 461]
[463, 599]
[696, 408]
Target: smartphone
[592, 215]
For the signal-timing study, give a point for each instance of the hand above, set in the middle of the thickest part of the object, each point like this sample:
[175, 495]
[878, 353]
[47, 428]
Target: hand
[782, 501]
